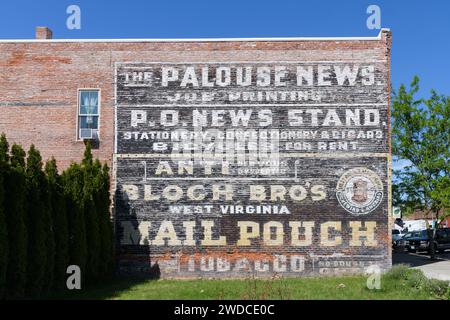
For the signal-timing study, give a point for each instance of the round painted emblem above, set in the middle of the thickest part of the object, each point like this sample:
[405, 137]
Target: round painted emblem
[359, 191]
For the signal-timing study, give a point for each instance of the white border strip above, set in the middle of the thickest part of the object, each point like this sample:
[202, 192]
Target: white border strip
[250, 104]
[136, 64]
[331, 155]
[199, 39]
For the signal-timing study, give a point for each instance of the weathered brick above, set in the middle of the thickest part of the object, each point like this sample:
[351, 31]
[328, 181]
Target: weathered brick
[39, 82]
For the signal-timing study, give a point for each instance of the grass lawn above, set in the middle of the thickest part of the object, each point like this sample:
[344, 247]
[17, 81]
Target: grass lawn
[399, 283]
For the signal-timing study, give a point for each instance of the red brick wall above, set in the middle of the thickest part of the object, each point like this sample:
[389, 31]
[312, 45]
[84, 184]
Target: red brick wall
[39, 81]
[39, 84]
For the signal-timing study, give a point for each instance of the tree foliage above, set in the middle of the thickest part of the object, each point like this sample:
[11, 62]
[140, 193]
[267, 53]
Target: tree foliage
[73, 189]
[15, 195]
[57, 205]
[36, 220]
[91, 214]
[421, 138]
[103, 202]
[3, 229]
[49, 221]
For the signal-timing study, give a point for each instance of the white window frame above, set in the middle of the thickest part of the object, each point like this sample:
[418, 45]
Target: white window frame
[79, 90]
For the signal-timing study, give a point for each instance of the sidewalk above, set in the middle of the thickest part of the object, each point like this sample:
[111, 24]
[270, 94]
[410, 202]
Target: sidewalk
[437, 269]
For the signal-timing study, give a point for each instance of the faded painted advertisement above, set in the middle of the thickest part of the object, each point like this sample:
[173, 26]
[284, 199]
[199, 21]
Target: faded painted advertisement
[225, 169]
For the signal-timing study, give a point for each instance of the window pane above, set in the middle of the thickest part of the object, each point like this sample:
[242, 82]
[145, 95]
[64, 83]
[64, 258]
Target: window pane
[93, 102]
[84, 101]
[88, 122]
[89, 102]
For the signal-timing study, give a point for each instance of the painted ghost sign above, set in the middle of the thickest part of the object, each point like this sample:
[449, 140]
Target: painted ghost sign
[224, 168]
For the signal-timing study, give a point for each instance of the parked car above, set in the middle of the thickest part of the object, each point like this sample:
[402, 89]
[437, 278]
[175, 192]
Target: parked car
[419, 240]
[397, 238]
[397, 235]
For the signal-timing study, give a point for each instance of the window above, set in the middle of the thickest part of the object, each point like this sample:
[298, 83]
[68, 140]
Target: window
[88, 114]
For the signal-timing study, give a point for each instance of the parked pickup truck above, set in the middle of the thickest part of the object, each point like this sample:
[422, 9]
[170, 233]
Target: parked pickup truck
[397, 238]
[419, 240]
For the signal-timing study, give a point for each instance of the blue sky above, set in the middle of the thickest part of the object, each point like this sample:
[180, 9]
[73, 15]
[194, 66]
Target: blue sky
[421, 29]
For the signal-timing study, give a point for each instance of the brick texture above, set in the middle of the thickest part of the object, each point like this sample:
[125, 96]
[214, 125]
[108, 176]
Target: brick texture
[38, 104]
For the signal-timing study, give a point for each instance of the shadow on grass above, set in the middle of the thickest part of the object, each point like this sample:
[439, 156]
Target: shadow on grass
[107, 289]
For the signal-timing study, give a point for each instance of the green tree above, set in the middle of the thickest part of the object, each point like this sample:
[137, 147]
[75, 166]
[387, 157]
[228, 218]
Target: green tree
[50, 221]
[57, 205]
[37, 238]
[4, 149]
[108, 227]
[15, 207]
[3, 230]
[91, 214]
[102, 200]
[421, 139]
[421, 136]
[73, 190]
[49, 236]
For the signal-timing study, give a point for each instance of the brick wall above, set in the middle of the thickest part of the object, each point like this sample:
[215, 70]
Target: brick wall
[39, 81]
[38, 104]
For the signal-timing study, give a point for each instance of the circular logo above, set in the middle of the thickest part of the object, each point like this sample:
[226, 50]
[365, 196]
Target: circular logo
[359, 191]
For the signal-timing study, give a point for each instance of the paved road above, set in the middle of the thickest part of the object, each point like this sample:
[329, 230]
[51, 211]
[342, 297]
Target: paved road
[437, 269]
